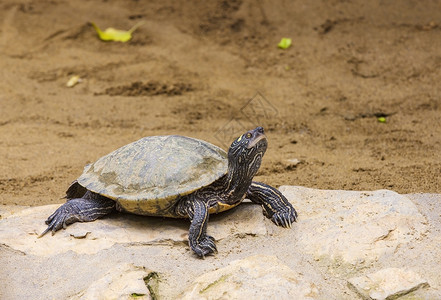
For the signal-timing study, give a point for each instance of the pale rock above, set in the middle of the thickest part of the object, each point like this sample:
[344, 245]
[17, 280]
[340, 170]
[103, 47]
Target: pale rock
[255, 277]
[20, 230]
[387, 283]
[291, 164]
[121, 282]
[8, 210]
[355, 228]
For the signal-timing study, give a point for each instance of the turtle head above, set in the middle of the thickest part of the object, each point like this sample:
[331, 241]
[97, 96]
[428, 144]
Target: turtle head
[246, 152]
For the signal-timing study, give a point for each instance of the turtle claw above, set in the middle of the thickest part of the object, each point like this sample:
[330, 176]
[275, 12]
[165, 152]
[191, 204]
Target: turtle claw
[204, 246]
[62, 217]
[44, 232]
[284, 218]
[55, 222]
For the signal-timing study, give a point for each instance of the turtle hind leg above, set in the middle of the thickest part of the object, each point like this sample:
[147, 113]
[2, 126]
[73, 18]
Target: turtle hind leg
[86, 209]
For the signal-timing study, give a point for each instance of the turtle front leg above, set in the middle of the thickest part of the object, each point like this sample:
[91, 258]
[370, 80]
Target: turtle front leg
[201, 243]
[86, 209]
[275, 206]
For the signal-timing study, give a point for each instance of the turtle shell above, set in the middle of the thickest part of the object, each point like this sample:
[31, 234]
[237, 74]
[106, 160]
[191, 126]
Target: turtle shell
[147, 176]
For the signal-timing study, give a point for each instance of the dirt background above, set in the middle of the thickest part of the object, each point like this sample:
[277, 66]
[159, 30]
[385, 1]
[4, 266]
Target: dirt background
[211, 70]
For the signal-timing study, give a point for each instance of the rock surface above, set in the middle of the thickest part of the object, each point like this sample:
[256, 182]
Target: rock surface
[387, 283]
[121, 282]
[255, 277]
[21, 230]
[340, 237]
[354, 229]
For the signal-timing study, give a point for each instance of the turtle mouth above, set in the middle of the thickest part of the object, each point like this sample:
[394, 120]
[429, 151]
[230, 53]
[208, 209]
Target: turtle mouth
[256, 140]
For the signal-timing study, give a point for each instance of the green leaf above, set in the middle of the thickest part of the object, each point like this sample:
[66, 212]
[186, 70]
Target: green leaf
[285, 43]
[112, 34]
[382, 119]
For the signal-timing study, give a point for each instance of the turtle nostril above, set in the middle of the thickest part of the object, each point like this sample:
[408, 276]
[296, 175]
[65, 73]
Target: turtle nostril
[260, 129]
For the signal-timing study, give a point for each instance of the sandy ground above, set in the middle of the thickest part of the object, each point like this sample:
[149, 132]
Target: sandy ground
[212, 70]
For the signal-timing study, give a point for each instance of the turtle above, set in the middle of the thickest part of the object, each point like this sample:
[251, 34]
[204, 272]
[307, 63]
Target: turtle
[174, 176]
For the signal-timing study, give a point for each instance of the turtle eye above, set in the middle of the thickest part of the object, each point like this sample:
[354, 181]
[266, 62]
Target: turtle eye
[249, 135]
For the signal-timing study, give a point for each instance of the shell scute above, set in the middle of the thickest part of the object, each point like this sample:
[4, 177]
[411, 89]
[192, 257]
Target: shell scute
[147, 176]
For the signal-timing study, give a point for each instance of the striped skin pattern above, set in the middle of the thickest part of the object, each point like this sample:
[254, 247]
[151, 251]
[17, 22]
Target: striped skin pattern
[78, 210]
[201, 243]
[275, 206]
[89, 198]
